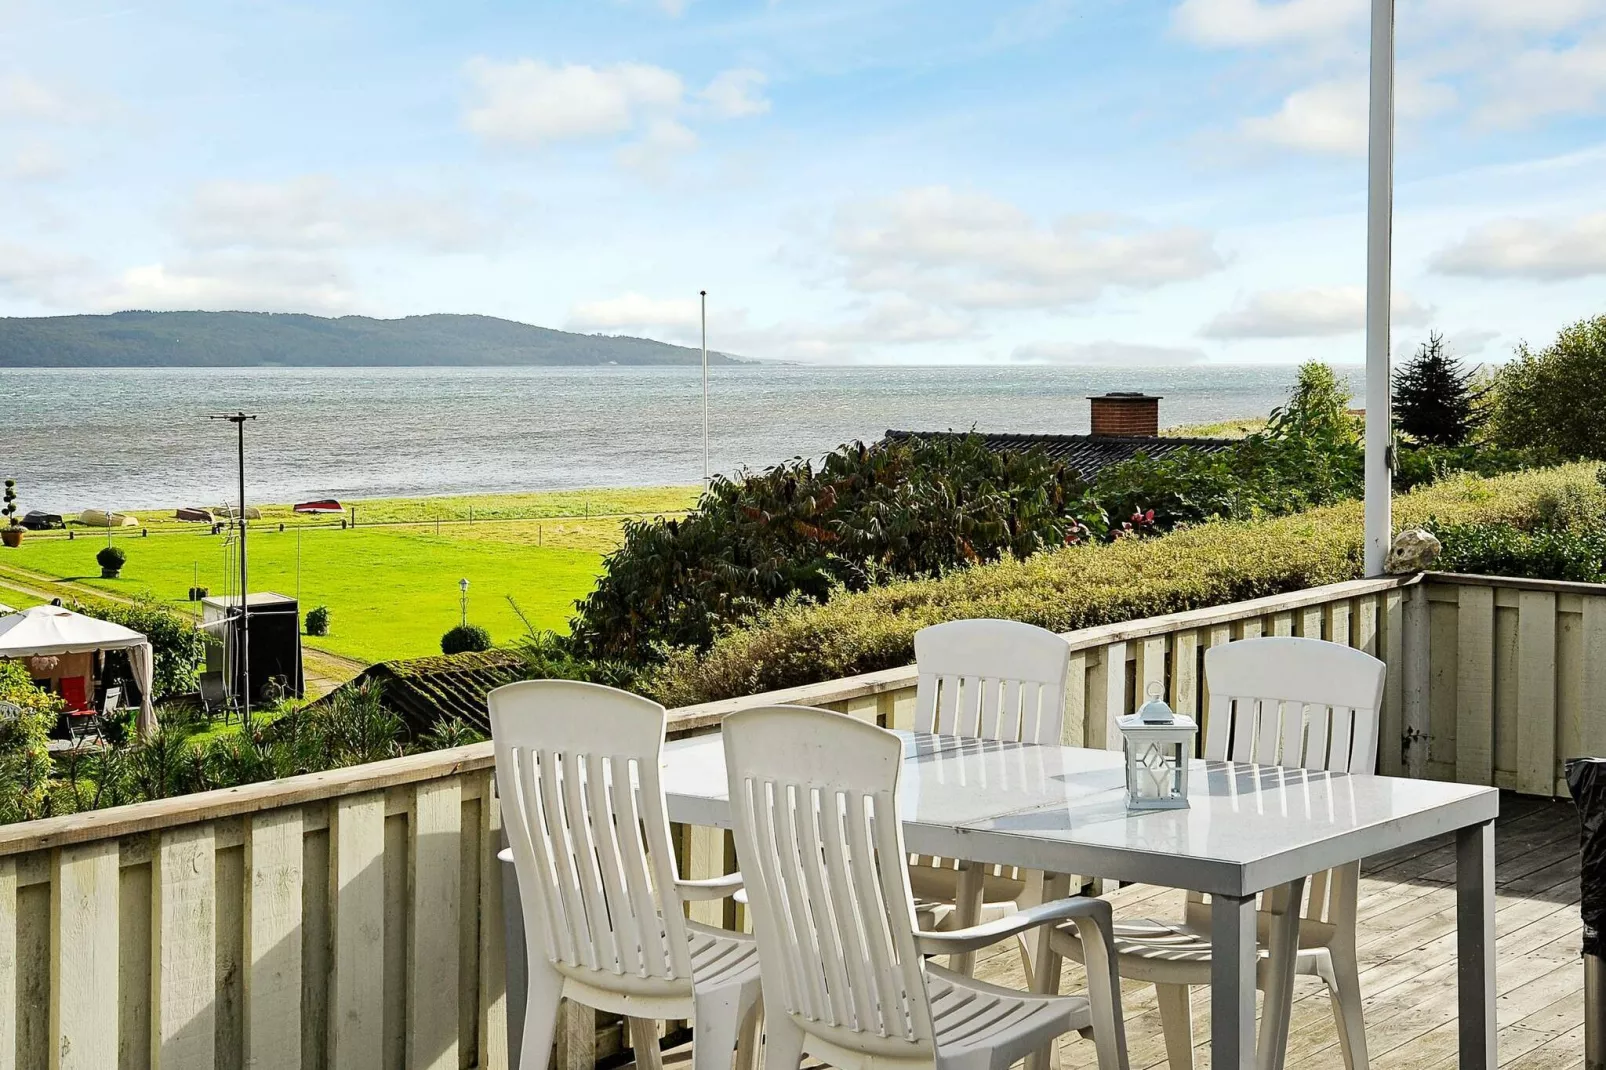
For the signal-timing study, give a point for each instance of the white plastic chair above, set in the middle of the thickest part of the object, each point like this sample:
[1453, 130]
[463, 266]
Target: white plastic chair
[994, 680]
[1300, 704]
[815, 808]
[577, 772]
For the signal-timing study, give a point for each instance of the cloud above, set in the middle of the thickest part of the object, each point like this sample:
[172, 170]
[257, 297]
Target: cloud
[317, 212]
[1540, 82]
[973, 251]
[665, 139]
[737, 93]
[26, 98]
[1548, 250]
[1105, 353]
[528, 102]
[1241, 23]
[1331, 117]
[1467, 343]
[283, 282]
[35, 162]
[1543, 16]
[1314, 313]
[38, 274]
[633, 311]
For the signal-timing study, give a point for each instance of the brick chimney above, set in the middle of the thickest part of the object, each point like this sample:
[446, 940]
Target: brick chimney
[1125, 413]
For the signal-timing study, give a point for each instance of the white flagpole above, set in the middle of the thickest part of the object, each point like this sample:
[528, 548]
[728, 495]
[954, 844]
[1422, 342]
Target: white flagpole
[1379, 290]
[704, 295]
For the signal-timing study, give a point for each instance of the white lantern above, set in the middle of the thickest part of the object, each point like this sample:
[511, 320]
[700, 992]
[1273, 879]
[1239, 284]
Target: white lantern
[1159, 744]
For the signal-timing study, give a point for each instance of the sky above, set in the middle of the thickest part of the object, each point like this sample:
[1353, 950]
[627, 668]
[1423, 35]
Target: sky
[1141, 182]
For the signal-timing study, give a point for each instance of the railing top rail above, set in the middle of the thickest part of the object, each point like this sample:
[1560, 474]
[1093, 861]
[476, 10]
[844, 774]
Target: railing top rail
[315, 787]
[1520, 583]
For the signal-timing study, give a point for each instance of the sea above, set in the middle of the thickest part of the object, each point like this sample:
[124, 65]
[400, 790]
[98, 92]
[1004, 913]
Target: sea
[143, 438]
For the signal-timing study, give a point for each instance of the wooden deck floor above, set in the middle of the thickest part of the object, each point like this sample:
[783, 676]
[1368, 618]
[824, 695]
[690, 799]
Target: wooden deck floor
[1407, 950]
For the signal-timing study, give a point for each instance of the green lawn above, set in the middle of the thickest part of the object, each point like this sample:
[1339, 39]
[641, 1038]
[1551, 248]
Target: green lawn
[391, 592]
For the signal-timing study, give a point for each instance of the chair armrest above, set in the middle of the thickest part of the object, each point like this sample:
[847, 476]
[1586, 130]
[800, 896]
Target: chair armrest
[505, 854]
[713, 888]
[958, 941]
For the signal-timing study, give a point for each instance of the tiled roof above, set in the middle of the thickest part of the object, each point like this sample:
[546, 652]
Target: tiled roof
[1086, 453]
[425, 690]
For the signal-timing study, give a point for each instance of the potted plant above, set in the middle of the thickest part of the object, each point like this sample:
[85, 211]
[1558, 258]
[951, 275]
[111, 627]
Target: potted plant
[11, 534]
[111, 561]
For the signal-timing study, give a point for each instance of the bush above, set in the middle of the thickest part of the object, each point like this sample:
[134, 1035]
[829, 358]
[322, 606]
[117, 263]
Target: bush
[465, 639]
[896, 509]
[854, 632]
[1504, 550]
[1554, 398]
[318, 621]
[24, 745]
[177, 646]
[110, 559]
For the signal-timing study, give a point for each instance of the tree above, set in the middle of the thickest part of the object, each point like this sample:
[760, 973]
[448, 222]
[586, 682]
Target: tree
[1554, 398]
[1434, 400]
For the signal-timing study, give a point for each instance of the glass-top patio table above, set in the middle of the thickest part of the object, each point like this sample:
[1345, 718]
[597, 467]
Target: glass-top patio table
[1250, 829]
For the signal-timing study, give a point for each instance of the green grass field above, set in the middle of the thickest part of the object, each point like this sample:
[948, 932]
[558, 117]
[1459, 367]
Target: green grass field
[391, 590]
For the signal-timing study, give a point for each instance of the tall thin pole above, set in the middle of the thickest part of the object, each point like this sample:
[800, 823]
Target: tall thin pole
[238, 419]
[704, 295]
[1379, 290]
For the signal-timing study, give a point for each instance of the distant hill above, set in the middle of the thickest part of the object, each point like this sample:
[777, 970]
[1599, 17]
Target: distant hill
[254, 339]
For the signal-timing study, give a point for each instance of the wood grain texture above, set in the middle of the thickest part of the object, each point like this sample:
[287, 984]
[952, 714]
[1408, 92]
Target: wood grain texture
[357, 937]
[83, 954]
[1536, 691]
[183, 950]
[493, 1009]
[272, 953]
[8, 964]
[432, 1041]
[1474, 729]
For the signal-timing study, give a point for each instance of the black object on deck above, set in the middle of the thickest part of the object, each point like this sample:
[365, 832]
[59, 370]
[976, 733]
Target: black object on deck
[1586, 779]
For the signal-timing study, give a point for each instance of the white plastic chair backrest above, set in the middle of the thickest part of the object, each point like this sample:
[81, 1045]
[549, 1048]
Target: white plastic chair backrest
[114, 699]
[1299, 703]
[814, 807]
[991, 679]
[577, 771]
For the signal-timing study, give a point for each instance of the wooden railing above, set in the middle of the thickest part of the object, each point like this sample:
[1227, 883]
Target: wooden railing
[354, 918]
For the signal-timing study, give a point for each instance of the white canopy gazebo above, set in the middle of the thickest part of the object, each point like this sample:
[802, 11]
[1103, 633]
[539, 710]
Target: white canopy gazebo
[46, 630]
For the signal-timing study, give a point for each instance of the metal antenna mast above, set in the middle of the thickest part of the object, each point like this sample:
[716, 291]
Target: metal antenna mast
[238, 419]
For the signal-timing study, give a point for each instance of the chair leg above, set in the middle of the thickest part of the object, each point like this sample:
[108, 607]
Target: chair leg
[541, 1003]
[644, 1044]
[714, 1033]
[1176, 1022]
[747, 1040]
[783, 1042]
[1347, 1016]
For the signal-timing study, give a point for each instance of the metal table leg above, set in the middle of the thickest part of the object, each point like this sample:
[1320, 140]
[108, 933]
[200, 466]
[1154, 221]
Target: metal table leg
[1232, 982]
[1474, 915]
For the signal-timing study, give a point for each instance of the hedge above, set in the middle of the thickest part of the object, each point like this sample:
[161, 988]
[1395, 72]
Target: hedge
[796, 643]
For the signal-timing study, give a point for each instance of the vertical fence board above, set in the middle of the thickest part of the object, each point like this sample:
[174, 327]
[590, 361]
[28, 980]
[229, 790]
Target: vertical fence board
[34, 931]
[1310, 622]
[493, 1051]
[705, 858]
[1151, 668]
[134, 968]
[1474, 683]
[1536, 693]
[8, 964]
[432, 952]
[1442, 630]
[83, 951]
[1391, 720]
[184, 948]
[1507, 700]
[1113, 663]
[1338, 621]
[272, 953]
[1215, 636]
[1571, 704]
[398, 923]
[316, 945]
[1593, 730]
[1366, 626]
[357, 937]
[1416, 669]
[1282, 624]
[1185, 673]
[1074, 732]
[229, 959]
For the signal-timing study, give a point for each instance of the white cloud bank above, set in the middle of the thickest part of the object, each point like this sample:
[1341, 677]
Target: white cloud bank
[1331, 117]
[969, 250]
[1314, 313]
[1242, 23]
[1121, 354]
[1550, 250]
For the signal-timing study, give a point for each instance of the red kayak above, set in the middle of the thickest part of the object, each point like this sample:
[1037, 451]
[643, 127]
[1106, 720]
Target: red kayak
[326, 505]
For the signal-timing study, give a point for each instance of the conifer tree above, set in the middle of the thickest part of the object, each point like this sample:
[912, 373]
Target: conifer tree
[1434, 401]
